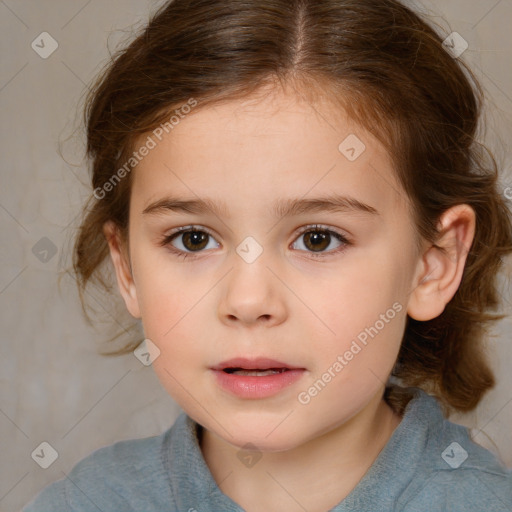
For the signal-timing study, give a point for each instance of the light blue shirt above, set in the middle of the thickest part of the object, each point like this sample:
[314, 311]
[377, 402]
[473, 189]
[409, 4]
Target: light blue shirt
[428, 464]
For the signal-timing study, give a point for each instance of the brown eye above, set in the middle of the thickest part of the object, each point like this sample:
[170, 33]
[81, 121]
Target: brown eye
[195, 240]
[188, 241]
[317, 240]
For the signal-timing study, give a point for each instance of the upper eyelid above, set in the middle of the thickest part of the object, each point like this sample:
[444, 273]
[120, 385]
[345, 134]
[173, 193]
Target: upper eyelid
[303, 229]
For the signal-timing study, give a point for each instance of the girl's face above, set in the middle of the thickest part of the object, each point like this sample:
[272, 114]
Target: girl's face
[297, 252]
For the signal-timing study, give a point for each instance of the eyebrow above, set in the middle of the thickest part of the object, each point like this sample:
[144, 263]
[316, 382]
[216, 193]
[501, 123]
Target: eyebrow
[282, 207]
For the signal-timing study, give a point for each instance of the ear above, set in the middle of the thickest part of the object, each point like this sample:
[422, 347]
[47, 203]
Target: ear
[441, 266]
[120, 259]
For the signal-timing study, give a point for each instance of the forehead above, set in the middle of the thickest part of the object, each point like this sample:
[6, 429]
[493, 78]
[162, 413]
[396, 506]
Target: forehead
[266, 146]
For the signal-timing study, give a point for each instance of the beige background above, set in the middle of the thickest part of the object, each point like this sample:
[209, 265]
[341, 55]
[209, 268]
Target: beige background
[54, 385]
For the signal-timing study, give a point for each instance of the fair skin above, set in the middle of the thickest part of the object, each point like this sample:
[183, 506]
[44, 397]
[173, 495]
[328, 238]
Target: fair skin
[291, 304]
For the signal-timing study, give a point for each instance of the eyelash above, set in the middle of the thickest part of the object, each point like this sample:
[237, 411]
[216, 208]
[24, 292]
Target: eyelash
[167, 239]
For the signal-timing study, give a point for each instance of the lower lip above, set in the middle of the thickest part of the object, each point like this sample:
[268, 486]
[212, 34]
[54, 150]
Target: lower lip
[257, 387]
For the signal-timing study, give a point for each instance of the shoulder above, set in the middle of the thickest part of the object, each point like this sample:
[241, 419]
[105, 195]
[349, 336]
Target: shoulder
[454, 473]
[468, 489]
[127, 475]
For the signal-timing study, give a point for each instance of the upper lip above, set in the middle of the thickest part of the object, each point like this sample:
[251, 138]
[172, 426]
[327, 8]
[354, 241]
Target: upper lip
[260, 363]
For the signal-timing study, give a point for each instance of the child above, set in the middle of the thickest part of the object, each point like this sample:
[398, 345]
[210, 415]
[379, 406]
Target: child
[297, 210]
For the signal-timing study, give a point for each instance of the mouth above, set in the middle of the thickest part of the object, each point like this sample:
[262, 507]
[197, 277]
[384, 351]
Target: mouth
[255, 372]
[256, 378]
[259, 367]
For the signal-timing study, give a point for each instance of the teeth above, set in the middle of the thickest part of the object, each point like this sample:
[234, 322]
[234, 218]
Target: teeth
[258, 373]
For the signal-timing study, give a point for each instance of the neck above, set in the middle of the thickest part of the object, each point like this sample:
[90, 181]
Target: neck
[314, 476]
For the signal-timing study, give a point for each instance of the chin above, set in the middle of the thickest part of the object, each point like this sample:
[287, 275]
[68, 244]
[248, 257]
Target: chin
[262, 443]
[267, 435]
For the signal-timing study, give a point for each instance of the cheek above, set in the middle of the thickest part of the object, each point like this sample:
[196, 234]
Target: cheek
[164, 293]
[170, 320]
[360, 293]
[365, 305]
[161, 309]
[171, 309]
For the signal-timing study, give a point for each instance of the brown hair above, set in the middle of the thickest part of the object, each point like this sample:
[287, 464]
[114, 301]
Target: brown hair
[389, 70]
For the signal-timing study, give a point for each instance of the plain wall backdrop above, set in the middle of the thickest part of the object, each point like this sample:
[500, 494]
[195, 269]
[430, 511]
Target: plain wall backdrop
[55, 387]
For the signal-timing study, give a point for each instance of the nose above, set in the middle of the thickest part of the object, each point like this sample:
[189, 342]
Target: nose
[252, 295]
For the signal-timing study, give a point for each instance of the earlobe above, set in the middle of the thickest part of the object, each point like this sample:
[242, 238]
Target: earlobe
[440, 269]
[120, 260]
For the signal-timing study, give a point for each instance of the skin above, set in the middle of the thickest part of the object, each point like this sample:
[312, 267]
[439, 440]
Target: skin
[288, 304]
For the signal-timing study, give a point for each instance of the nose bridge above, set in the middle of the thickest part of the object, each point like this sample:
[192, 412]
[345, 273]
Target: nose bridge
[252, 292]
